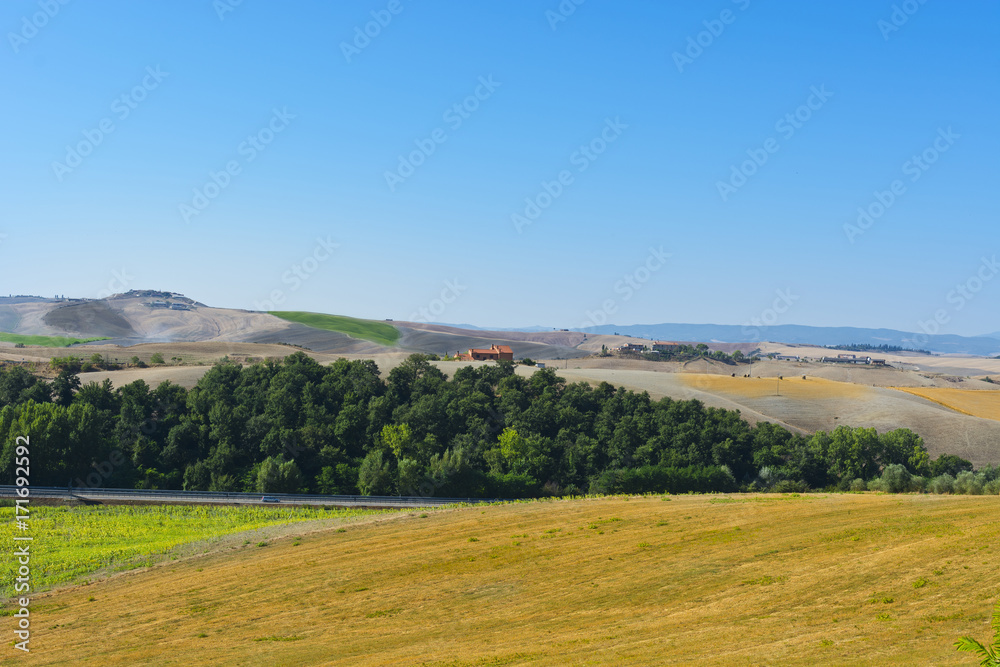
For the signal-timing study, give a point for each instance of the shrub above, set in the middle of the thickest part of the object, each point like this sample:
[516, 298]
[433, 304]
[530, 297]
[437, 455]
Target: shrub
[157, 358]
[896, 478]
[878, 485]
[918, 483]
[659, 479]
[992, 488]
[858, 485]
[968, 483]
[790, 486]
[941, 484]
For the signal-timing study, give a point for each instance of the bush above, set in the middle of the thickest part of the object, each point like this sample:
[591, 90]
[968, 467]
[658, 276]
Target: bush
[968, 483]
[157, 358]
[511, 485]
[858, 485]
[941, 484]
[896, 478]
[790, 486]
[659, 479]
[878, 484]
[992, 488]
[918, 483]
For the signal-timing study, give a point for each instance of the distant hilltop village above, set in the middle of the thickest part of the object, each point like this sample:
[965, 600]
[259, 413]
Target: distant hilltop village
[160, 299]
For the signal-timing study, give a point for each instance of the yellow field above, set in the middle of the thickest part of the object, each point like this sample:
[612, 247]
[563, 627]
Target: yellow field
[737, 580]
[978, 403]
[791, 386]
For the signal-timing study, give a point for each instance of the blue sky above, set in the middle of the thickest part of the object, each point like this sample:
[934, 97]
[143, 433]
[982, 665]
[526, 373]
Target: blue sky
[510, 164]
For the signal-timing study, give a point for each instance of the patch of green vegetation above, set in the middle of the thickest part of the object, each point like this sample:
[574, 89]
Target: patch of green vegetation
[766, 580]
[377, 332]
[70, 542]
[45, 341]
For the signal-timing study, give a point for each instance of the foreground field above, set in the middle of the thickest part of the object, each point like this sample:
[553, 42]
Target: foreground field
[738, 580]
[70, 542]
[985, 404]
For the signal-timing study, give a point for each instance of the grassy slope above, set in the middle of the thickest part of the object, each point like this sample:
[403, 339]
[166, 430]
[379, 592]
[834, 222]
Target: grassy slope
[71, 542]
[45, 341]
[743, 580]
[377, 332]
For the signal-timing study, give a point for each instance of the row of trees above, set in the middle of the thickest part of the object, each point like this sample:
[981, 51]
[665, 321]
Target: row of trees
[683, 352]
[298, 426]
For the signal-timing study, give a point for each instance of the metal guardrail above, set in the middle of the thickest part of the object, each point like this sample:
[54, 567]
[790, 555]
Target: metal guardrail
[9, 491]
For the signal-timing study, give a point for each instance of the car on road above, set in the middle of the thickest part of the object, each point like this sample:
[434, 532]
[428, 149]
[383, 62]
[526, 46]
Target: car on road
[270, 499]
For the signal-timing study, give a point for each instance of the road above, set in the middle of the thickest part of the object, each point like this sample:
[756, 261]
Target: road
[225, 498]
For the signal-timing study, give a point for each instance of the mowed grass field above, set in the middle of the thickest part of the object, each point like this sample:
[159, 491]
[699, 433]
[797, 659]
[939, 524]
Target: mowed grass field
[790, 386]
[377, 332]
[978, 403]
[44, 341]
[735, 580]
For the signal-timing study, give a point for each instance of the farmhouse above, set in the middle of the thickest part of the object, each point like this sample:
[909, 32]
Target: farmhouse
[495, 353]
[851, 359]
[666, 346]
[630, 347]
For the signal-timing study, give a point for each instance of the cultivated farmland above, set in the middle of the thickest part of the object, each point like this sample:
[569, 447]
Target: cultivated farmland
[985, 404]
[742, 580]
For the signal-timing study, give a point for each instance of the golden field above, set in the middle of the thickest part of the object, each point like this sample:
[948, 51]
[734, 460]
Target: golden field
[810, 388]
[977, 403]
[715, 579]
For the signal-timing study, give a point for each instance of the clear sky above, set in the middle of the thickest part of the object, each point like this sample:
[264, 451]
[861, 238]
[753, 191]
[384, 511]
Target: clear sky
[510, 163]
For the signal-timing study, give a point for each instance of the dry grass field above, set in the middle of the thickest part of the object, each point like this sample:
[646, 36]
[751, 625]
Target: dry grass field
[735, 580]
[985, 404]
[810, 389]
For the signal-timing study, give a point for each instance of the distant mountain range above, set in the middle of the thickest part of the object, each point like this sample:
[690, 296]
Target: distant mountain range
[804, 335]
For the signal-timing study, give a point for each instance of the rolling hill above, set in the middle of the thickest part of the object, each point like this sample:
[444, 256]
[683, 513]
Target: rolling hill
[816, 579]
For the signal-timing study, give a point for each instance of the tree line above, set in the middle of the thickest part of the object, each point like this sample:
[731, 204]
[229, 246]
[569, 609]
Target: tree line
[300, 427]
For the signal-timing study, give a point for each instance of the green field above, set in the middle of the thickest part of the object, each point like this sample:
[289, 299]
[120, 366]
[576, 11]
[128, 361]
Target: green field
[45, 341]
[70, 542]
[377, 332]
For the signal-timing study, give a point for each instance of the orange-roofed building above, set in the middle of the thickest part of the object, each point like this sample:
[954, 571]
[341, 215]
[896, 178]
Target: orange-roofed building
[494, 353]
